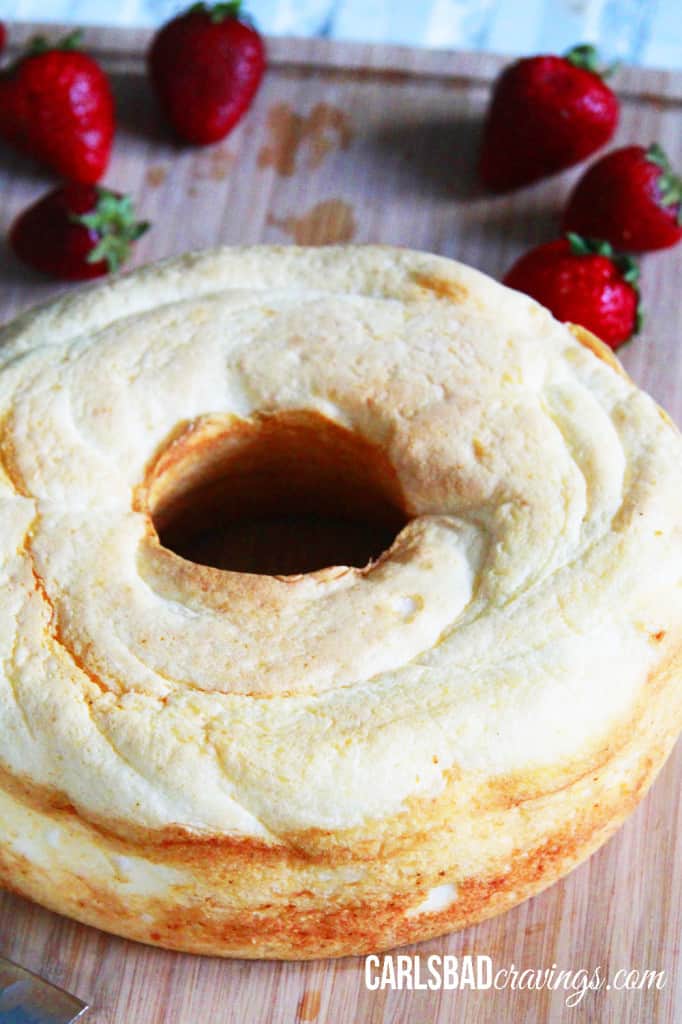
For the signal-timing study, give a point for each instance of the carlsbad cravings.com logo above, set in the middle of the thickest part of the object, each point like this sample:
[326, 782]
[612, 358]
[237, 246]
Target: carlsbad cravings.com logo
[477, 972]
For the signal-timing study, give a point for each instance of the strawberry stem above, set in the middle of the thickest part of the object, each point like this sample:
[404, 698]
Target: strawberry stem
[580, 246]
[589, 246]
[586, 56]
[39, 44]
[669, 184]
[655, 154]
[217, 12]
[628, 267]
[113, 219]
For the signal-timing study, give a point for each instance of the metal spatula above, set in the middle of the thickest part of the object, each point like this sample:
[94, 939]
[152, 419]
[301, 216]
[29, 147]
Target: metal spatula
[27, 999]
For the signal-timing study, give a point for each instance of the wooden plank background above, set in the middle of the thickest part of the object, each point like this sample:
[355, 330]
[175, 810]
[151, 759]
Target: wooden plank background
[366, 144]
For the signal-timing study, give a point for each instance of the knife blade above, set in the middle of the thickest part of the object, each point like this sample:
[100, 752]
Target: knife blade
[27, 999]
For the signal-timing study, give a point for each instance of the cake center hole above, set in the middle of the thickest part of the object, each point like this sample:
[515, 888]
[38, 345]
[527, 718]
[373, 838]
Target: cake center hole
[275, 494]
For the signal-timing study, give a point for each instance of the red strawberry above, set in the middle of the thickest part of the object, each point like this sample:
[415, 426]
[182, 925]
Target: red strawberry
[546, 114]
[3, 35]
[76, 232]
[584, 282]
[56, 105]
[206, 66]
[631, 198]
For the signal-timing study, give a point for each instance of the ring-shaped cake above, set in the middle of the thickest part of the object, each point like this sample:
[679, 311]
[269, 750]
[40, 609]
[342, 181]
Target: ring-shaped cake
[348, 758]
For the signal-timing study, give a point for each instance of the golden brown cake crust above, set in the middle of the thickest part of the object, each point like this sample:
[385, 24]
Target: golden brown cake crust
[355, 757]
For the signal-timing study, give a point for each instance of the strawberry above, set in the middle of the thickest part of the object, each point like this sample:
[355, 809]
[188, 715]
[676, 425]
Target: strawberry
[56, 105]
[76, 232]
[206, 66]
[631, 198]
[584, 282]
[546, 114]
[3, 35]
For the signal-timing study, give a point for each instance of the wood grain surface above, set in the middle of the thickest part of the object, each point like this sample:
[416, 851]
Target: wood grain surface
[356, 143]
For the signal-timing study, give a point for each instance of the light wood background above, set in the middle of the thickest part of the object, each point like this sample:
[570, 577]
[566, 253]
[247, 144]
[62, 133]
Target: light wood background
[369, 144]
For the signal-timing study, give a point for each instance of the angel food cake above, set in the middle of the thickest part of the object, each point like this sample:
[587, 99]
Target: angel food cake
[353, 757]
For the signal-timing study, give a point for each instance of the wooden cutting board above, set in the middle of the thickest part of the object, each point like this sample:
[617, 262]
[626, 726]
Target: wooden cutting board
[373, 144]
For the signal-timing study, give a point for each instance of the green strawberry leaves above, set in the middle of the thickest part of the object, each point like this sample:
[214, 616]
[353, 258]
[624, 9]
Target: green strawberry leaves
[627, 266]
[113, 219]
[587, 246]
[586, 56]
[669, 184]
[597, 247]
[629, 270]
[39, 44]
[217, 12]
